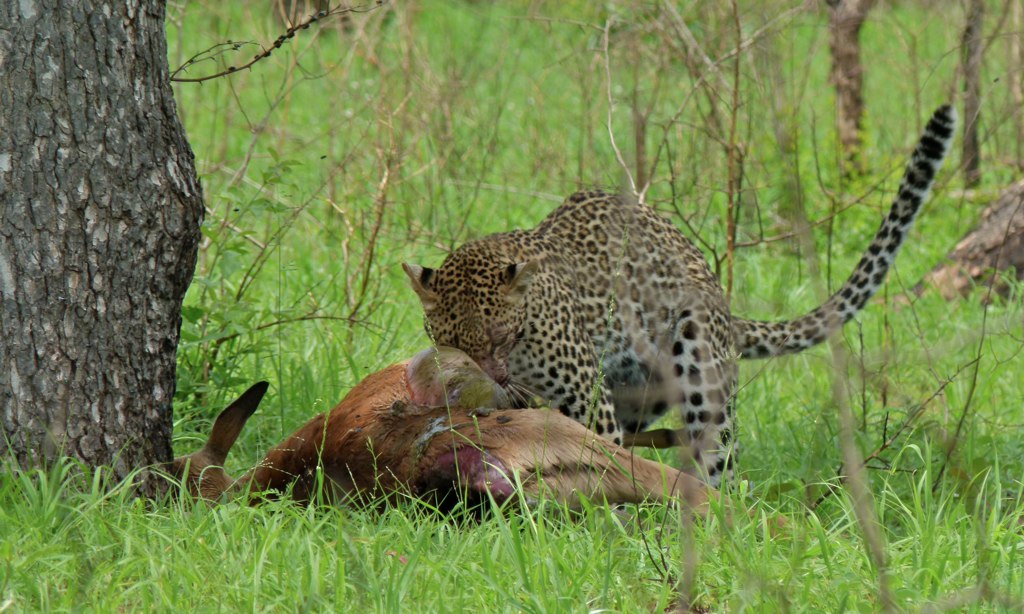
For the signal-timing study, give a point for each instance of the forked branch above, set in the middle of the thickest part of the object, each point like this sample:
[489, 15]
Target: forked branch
[222, 48]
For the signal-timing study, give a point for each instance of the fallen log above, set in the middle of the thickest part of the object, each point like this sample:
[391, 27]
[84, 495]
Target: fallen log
[993, 247]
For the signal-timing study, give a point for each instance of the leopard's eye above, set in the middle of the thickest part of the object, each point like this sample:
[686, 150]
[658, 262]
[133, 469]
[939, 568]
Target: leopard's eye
[500, 336]
[506, 341]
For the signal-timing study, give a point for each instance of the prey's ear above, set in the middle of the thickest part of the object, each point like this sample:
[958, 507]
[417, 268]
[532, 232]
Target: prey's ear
[230, 422]
[518, 278]
[202, 473]
[421, 278]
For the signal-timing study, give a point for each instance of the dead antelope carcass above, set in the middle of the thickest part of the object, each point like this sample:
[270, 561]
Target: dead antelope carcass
[435, 427]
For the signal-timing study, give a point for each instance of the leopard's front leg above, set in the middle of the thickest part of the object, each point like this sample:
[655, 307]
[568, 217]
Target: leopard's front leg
[560, 366]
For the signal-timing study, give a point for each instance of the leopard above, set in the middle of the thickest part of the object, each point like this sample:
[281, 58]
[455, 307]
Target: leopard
[609, 313]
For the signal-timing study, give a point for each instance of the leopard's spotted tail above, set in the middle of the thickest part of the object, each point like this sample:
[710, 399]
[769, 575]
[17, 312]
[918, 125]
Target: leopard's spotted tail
[758, 339]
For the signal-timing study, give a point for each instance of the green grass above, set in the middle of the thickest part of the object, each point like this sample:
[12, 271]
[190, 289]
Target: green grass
[482, 116]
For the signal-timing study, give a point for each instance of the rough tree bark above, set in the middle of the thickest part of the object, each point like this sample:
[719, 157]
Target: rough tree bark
[971, 65]
[99, 229]
[847, 75]
[995, 245]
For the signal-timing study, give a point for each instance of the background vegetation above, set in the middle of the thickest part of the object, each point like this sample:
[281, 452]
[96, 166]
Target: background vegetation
[400, 132]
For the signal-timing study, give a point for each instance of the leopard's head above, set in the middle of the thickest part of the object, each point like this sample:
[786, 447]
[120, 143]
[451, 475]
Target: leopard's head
[475, 302]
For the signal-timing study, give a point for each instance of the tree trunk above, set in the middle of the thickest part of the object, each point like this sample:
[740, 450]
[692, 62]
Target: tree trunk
[98, 233]
[995, 245]
[971, 64]
[845, 20]
[1015, 68]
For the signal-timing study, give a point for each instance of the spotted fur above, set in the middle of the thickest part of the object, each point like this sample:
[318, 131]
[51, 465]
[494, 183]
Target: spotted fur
[609, 313]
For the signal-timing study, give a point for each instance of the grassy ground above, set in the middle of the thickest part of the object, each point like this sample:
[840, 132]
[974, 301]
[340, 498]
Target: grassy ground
[402, 132]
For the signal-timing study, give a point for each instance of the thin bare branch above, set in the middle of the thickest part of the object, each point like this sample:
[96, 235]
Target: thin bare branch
[221, 48]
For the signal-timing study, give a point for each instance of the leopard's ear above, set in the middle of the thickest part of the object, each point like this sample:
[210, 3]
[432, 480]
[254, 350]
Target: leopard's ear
[518, 277]
[420, 278]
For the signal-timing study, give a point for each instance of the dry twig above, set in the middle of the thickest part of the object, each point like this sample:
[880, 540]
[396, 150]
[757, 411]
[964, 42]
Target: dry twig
[221, 48]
